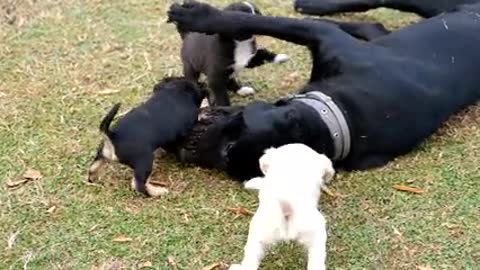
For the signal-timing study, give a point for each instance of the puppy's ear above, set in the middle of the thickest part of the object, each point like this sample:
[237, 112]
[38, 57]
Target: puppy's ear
[108, 150]
[266, 160]
[236, 126]
[328, 170]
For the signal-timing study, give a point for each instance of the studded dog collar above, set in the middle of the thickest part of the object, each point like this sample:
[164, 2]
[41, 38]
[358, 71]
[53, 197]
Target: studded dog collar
[333, 117]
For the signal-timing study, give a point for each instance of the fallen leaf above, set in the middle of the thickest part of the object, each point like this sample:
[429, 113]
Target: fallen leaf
[94, 227]
[241, 211]
[32, 175]
[15, 184]
[51, 209]
[328, 191]
[214, 266]
[11, 240]
[146, 264]
[122, 239]
[29, 175]
[409, 189]
[172, 262]
[424, 267]
[108, 91]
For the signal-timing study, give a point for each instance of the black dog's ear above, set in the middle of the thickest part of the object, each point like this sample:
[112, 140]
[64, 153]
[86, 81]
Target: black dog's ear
[235, 126]
[291, 125]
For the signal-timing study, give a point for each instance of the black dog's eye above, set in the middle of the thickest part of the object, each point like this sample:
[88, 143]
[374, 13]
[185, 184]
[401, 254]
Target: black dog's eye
[229, 146]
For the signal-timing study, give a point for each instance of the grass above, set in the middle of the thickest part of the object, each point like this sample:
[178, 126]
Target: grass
[56, 58]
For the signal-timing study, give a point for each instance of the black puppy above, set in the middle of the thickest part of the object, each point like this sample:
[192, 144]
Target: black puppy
[220, 57]
[158, 124]
[366, 102]
[424, 8]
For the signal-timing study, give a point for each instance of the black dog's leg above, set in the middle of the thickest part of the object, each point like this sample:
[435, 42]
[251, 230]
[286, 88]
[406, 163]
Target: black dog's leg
[142, 169]
[365, 31]
[200, 17]
[327, 7]
[326, 41]
[264, 56]
[190, 73]
[218, 81]
[424, 8]
[233, 85]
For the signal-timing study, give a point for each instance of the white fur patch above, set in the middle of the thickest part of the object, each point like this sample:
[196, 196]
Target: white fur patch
[244, 51]
[204, 103]
[281, 58]
[108, 150]
[246, 91]
[252, 8]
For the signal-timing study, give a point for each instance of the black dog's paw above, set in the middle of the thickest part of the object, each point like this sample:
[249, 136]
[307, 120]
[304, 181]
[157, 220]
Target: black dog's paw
[193, 16]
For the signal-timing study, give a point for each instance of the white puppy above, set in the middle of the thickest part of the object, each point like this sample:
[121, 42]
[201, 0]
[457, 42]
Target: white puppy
[289, 194]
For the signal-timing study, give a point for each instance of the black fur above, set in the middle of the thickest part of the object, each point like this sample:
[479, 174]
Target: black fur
[213, 55]
[395, 90]
[424, 8]
[107, 120]
[161, 122]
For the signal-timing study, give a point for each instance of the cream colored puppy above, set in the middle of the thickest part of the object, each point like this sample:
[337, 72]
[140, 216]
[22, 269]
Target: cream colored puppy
[288, 194]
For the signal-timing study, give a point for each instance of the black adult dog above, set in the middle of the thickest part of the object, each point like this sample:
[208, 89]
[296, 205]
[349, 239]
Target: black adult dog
[383, 98]
[424, 8]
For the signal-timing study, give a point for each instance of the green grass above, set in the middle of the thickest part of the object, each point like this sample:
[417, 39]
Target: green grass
[55, 58]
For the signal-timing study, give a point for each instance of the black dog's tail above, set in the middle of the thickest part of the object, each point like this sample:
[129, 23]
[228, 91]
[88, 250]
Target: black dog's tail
[107, 120]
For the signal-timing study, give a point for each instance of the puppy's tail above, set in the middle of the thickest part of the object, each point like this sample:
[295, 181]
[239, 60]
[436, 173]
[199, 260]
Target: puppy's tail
[107, 120]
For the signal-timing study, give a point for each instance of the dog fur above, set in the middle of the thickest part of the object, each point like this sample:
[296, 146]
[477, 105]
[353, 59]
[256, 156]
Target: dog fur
[222, 57]
[288, 195]
[424, 8]
[157, 125]
[394, 91]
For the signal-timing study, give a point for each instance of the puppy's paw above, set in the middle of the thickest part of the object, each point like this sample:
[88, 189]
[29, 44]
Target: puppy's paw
[236, 267]
[246, 91]
[281, 58]
[155, 191]
[204, 104]
[254, 183]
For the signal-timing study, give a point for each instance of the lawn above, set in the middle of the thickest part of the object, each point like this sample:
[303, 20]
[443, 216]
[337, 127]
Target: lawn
[62, 66]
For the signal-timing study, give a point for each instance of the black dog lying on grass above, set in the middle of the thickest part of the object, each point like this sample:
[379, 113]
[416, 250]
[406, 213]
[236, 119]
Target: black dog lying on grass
[221, 57]
[424, 8]
[365, 103]
[158, 124]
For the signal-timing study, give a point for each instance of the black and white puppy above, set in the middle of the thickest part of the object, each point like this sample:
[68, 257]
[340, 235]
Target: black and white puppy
[158, 124]
[221, 57]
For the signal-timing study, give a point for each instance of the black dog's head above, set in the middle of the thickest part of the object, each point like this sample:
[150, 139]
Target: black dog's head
[198, 90]
[235, 142]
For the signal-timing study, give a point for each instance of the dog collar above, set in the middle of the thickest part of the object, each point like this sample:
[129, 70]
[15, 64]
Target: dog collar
[333, 117]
